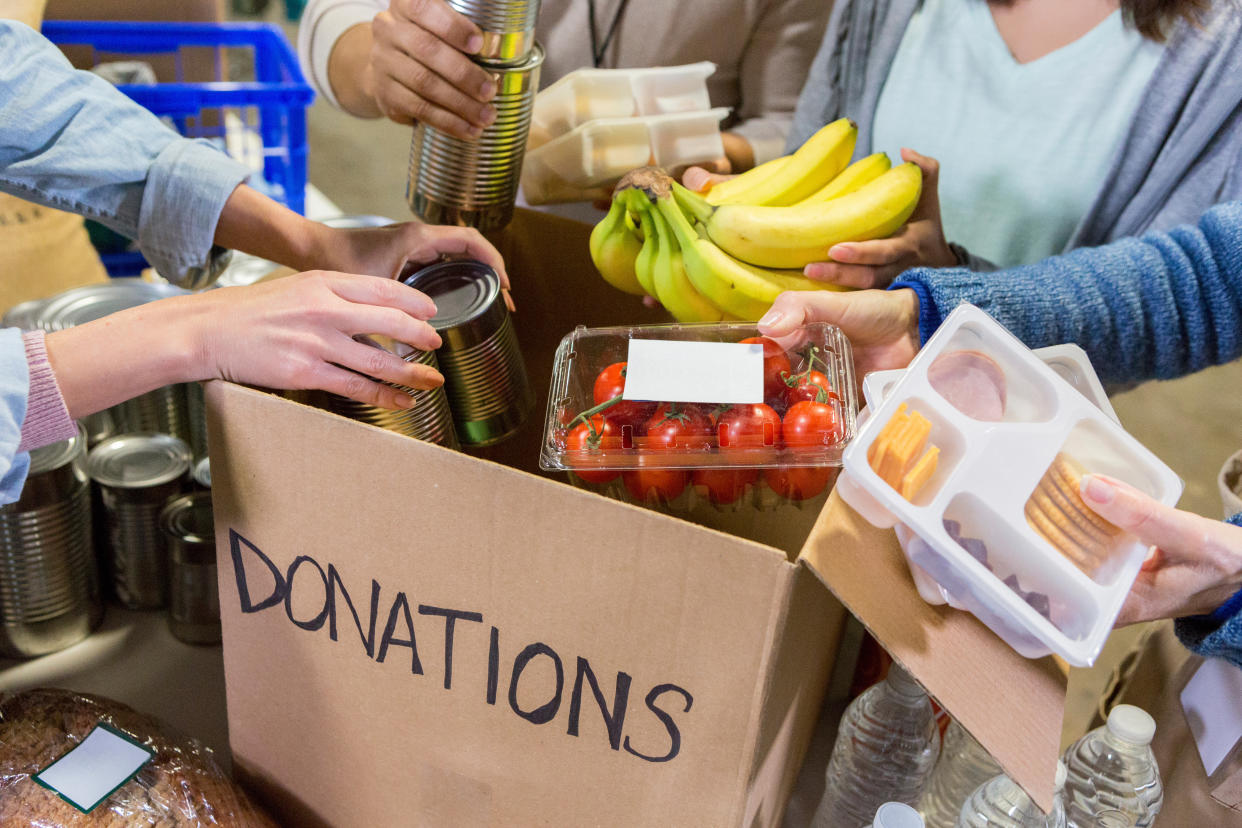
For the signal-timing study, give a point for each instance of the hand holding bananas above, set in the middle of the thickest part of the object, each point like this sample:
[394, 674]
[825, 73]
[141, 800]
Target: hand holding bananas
[730, 254]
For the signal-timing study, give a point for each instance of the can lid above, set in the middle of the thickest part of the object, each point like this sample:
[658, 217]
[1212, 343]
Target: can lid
[135, 461]
[54, 456]
[189, 518]
[26, 315]
[466, 293]
[202, 472]
[91, 302]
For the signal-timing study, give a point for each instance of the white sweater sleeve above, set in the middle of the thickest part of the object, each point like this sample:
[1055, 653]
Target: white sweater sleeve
[323, 22]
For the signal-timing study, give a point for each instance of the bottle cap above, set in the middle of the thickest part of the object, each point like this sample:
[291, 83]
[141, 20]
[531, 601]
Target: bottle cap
[1131, 724]
[1059, 784]
[897, 815]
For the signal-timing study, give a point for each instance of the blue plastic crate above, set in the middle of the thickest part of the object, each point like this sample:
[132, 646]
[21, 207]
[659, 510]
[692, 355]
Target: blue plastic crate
[260, 120]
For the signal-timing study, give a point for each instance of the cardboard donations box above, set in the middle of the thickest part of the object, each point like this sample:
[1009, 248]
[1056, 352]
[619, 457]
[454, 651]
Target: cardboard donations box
[415, 636]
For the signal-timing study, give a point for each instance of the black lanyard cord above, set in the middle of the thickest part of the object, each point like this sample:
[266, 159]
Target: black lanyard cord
[598, 50]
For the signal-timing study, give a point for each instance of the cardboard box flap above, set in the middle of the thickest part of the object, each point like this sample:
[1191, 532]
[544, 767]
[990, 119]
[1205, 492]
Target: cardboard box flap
[464, 629]
[1012, 705]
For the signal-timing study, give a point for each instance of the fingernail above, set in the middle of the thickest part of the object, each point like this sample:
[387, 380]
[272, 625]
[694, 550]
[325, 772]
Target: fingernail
[771, 319]
[489, 116]
[1098, 489]
[474, 132]
[474, 44]
[841, 253]
[404, 402]
[488, 90]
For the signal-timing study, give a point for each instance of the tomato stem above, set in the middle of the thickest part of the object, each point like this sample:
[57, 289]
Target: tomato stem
[585, 416]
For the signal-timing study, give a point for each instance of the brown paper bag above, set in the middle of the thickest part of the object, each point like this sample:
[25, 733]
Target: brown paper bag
[1152, 677]
[42, 252]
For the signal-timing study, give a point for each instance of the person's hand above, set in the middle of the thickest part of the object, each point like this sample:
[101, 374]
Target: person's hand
[701, 178]
[297, 333]
[1195, 563]
[418, 70]
[384, 251]
[921, 242]
[882, 326]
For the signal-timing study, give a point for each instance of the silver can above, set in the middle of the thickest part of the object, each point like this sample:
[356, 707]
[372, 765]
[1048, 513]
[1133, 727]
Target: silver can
[49, 585]
[508, 27]
[428, 419]
[475, 183]
[201, 473]
[136, 475]
[484, 373]
[194, 599]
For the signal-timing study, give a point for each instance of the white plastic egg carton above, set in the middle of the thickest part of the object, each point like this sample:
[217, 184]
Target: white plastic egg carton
[986, 472]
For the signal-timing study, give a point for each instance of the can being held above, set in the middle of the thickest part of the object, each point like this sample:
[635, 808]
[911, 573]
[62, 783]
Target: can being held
[49, 584]
[137, 474]
[474, 183]
[508, 27]
[428, 419]
[194, 600]
[484, 374]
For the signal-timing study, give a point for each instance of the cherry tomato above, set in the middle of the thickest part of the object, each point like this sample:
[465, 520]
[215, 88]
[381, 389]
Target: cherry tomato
[810, 425]
[749, 426]
[665, 484]
[811, 386]
[799, 483]
[677, 426]
[611, 383]
[775, 366]
[724, 486]
[583, 444]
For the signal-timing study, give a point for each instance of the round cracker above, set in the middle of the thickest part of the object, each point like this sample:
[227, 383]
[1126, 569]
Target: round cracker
[1090, 547]
[1068, 474]
[1054, 536]
[1064, 504]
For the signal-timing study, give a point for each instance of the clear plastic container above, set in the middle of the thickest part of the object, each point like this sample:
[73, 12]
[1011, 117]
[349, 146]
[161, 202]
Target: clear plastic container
[896, 815]
[992, 498]
[1000, 803]
[588, 160]
[963, 766]
[590, 94]
[675, 416]
[885, 750]
[1112, 778]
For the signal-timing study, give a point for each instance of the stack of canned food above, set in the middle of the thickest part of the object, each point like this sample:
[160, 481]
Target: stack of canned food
[112, 509]
[474, 183]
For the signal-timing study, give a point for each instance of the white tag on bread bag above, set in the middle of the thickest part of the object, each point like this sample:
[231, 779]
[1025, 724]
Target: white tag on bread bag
[1212, 701]
[694, 372]
[89, 773]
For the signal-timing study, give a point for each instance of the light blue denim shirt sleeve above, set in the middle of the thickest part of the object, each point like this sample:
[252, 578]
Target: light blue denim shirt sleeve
[69, 140]
[14, 389]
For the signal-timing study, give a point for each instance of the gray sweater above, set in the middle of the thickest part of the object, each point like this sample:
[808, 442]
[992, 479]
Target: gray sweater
[1181, 154]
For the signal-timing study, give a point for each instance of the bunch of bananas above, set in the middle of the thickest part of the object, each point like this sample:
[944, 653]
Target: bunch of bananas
[728, 254]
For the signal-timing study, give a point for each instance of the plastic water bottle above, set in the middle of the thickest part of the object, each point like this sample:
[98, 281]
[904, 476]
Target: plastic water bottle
[964, 765]
[1112, 775]
[1000, 803]
[885, 750]
[897, 815]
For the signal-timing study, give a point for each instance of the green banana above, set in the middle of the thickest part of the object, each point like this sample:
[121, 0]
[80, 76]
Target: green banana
[644, 265]
[740, 289]
[673, 288]
[814, 164]
[614, 249]
[851, 178]
[792, 237]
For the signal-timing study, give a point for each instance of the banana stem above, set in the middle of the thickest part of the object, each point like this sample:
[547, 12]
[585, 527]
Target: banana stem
[692, 203]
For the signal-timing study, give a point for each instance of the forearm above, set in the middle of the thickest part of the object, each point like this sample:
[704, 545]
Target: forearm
[334, 42]
[255, 224]
[129, 353]
[347, 71]
[1158, 307]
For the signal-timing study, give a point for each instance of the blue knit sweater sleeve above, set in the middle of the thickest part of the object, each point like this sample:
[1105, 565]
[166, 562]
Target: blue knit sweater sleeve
[1218, 634]
[1155, 307]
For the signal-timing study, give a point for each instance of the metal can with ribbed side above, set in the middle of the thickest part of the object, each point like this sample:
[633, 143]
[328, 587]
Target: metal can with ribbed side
[484, 373]
[49, 585]
[508, 27]
[194, 600]
[428, 419]
[475, 183]
[137, 474]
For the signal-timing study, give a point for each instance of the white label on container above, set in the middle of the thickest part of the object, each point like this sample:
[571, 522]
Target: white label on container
[700, 372]
[1212, 700]
[88, 774]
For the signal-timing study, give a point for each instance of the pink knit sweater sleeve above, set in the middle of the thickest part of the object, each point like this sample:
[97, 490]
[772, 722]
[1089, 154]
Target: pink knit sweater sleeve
[47, 419]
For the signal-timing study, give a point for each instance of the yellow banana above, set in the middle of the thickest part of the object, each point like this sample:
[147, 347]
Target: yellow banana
[673, 287]
[614, 250]
[851, 178]
[733, 190]
[814, 164]
[644, 265]
[740, 289]
[792, 237]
